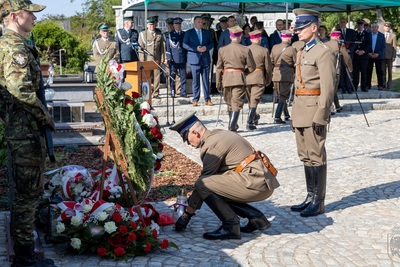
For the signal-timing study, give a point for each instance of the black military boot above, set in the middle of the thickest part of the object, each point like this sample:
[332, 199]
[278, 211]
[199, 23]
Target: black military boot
[233, 121]
[317, 205]
[183, 221]
[257, 220]
[278, 113]
[308, 170]
[250, 120]
[256, 119]
[230, 228]
[25, 256]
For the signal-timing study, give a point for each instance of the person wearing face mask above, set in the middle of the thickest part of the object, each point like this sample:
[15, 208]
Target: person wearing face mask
[24, 116]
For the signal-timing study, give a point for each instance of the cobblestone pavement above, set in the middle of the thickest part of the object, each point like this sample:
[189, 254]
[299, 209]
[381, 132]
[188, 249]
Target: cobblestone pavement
[362, 203]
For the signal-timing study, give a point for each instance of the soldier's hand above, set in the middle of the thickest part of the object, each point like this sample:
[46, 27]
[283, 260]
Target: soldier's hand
[291, 126]
[318, 128]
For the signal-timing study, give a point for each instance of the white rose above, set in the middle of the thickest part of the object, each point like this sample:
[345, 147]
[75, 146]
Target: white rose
[76, 243]
[60, 227]
[149, 120]
[76, 220]
[145, 105]
[78, 189]
[87, 207]
[102, 216]
[126, 86]
[110, 227]
[159, 155]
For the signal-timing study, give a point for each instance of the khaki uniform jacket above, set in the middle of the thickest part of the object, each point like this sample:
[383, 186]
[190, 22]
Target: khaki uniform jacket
[263, 74]
[283, 58]
[155, 45]
[333, 44]
[101, 48]
[317, 67]
[222, 151]
[234, 56]
[391, 44]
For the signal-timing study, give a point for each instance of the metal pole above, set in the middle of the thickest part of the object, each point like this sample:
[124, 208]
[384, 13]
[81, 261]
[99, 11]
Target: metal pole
[60, 62]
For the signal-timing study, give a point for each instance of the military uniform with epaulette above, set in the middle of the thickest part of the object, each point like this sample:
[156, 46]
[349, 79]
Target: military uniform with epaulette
[104, 46]
[124, 39]
[314, 90]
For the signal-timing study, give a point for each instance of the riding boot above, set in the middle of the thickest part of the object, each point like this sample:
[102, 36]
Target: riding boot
[183, 221]
[230, 228]
[250, 120]
[308, 170]
[278, 113]
[25, 256]
[233, 121]
[256, 119]
[317, 205]
[257, 220]
[286, 111]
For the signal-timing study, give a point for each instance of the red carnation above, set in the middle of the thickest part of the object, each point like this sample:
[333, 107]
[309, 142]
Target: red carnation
[106, 194]
[155, 234]
[142, 232]
[144, 112]
[133, 225]
[119, 252]
[135, 95]
[128, 101]
[132, 237]
[117, 217]
[164, 244]
[157, 165]
[123, 229]
[160, 146]
[148, 247]
[155, 131]
[102, 252]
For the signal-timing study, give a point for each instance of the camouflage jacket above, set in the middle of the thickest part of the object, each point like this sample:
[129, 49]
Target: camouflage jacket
[20, 77]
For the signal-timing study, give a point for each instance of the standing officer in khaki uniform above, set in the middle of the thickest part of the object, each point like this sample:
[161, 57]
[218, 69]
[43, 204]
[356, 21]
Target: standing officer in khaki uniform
[231, 177]
[315, 86]
[233, 60]
[104, 45]
[283, 57]
[153, 41]
[259, 78]
[24, 117]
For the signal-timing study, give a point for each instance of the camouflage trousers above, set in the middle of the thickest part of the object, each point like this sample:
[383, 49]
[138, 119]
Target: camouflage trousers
[26, 165]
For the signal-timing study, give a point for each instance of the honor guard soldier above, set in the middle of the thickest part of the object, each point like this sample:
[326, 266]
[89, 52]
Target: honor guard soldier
[153, 41]
[259, 78]
[283, 57]
[124, 38]
[232, 176]
[104, 45]
[234, 60]
[176, 56]
[315, 86]
[24, 117]
[360, 60]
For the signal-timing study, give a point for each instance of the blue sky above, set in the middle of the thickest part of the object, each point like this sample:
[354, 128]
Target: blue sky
[59, 7]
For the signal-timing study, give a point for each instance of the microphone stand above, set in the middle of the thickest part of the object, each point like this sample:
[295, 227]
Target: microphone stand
[167, 75]
[133, 45]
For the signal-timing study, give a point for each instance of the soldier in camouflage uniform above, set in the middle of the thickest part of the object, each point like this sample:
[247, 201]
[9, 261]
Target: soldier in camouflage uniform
[24, 116]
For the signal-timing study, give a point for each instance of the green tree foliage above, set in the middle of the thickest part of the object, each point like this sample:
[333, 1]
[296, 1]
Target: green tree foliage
[50, 37]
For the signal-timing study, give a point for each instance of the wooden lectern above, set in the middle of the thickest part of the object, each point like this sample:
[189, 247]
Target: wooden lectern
[134, 75]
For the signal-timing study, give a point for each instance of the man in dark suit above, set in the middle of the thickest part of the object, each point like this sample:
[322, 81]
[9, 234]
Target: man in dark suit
[223, 22]
[124, 38]
[176, 55]
[349, 37]
[275, 37]
[225, 39]
[198, 42]
[376, 55]
[360, 60]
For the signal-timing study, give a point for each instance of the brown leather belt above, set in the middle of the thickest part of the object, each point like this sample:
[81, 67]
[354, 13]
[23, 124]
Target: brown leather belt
[232, 69]
[307, 91]
[259, 69]
[254, 156]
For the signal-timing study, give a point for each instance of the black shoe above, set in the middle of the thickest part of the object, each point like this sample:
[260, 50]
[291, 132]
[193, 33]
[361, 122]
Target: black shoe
[224, 232]
[255, 224]
[339, 109]
[183, 221]
[279, 121]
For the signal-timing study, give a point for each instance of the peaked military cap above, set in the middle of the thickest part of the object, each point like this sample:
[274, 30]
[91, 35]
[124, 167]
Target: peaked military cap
[304, 17]
[155, 18]
[7, 6]
[223, 19]
[169, 21]
[235, 31]
[335, 33]
[286, 34]
[255, 34]
[366, 21]
[178, 20]
[206, 16]
[103, 26]
[182, 126]
[360, 21]
[128, 19]
[150, 21]
[387, 24]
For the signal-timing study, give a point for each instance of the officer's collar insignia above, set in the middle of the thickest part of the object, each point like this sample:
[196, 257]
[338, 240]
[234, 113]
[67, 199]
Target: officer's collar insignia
[310, 44]
[20, 58]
